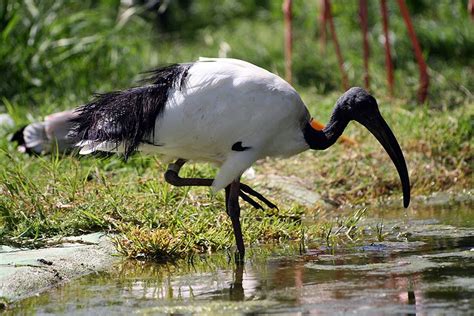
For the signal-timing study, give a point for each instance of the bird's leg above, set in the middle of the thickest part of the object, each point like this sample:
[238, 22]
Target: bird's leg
[233, 209]
[227, 192]
[172, 177]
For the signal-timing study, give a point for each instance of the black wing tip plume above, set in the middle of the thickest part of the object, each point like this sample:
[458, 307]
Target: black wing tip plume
[166, 75]
[128, 117]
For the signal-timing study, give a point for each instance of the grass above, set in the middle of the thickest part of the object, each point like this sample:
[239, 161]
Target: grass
[66, 195]
[55, 54]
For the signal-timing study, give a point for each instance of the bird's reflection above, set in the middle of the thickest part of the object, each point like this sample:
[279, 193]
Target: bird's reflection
[236, 289]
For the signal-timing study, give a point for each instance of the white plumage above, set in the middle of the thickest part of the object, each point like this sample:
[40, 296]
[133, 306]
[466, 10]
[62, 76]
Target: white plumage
[47, 136]
[225, 101]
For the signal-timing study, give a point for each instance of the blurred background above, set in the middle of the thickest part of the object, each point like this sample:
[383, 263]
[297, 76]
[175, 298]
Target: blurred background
[54, 53]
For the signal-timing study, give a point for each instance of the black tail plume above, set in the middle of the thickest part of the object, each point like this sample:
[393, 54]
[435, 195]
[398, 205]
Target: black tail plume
[128, 117]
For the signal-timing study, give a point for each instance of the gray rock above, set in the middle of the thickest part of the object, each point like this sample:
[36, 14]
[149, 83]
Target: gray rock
[27, 272]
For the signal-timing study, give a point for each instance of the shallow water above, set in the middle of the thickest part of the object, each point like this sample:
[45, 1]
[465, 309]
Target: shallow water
[425, 266]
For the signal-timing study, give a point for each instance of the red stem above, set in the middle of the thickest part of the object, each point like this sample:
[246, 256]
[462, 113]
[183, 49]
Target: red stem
[470, 8]
[345, 82]
[424, 78]
[287, 12]
[363, 14]
[322, 24]
[388, 55]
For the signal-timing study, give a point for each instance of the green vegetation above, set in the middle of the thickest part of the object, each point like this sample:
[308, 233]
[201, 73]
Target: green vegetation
[55, 54]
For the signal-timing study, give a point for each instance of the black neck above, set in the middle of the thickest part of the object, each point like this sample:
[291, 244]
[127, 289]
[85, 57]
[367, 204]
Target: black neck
[321, 140]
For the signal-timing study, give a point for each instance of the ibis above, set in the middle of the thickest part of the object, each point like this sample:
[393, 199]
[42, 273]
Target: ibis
[50, 135]
[227, 112]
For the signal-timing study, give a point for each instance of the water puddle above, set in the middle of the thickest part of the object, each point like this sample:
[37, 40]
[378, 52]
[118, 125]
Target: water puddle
[424, 265]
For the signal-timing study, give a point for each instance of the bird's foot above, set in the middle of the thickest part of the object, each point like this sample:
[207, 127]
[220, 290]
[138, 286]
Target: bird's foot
[246, 192]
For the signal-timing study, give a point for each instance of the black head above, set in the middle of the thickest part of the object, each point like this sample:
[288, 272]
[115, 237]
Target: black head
[18, 136]
[358, 105]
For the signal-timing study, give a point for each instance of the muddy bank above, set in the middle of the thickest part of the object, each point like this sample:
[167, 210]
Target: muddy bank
[27, 272]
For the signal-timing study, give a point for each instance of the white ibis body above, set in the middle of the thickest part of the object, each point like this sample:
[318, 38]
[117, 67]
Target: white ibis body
[47, 136]
[228, 112]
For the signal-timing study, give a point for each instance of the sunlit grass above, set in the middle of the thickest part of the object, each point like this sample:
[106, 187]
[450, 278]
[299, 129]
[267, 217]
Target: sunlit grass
[67, 195]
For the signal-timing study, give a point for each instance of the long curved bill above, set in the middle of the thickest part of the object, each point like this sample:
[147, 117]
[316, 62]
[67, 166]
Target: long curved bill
[380, 129]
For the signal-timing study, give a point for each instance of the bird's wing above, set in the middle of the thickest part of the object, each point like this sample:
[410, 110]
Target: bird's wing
[235, 62]
[125, 118]
[35, 137]
[58, 125]
[212, 74]
[237, 65]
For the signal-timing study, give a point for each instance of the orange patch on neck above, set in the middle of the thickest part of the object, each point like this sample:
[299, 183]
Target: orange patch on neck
[316, 124]
[320, 126]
